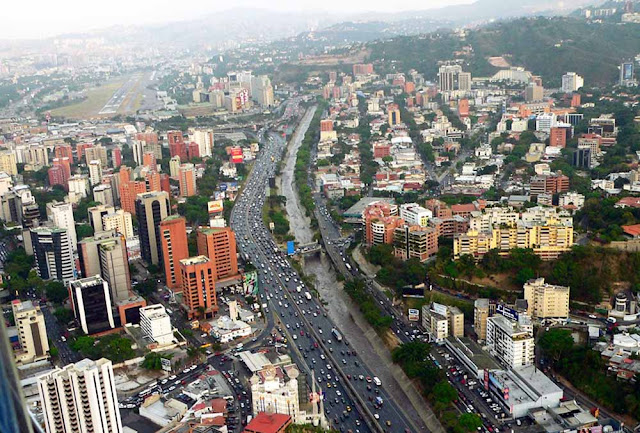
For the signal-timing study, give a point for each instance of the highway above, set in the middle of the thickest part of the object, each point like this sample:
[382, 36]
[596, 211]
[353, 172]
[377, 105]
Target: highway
[345, 380]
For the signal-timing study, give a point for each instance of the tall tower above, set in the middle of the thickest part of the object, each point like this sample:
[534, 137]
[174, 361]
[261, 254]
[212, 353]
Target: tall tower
[198, 286]
[219, 244]
[80, 397]
[151, 209]
[173, 235]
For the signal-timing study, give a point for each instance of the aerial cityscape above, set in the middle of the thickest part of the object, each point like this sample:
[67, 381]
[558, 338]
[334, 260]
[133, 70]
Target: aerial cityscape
[308, 218]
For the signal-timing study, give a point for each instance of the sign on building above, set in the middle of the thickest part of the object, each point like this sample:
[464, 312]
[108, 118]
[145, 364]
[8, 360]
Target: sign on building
[414, 315]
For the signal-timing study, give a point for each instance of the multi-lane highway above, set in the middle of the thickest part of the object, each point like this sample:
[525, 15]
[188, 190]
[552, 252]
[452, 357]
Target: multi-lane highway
[348, 385]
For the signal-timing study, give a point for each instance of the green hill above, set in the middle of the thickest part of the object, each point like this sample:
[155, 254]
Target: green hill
[546, 46]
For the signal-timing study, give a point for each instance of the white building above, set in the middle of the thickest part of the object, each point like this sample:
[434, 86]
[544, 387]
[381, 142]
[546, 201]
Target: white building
[78, 187]
[571, 82]
[32, 332]
[415, 215]
[61, 215]
[95, 172]
[511, 341]
[80, 398]
[156, 324]
[545, 121]
[225, 329]
[204, 139]
[571, 199]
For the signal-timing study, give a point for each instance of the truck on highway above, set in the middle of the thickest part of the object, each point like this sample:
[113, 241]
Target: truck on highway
[336, 334]
[307, 295]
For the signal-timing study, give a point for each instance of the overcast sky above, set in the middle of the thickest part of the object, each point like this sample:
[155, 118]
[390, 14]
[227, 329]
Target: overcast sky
[43, 18]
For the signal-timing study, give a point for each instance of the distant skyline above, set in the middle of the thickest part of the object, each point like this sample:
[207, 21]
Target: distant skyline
[37, 19]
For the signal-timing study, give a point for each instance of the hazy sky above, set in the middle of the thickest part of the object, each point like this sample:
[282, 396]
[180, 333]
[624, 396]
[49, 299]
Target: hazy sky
[42, 18]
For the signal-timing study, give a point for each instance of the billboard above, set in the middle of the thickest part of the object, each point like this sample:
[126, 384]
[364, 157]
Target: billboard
[236, 155]
[250, 283]
[166, 364]
[439, 309]
[507, 312]
[627, 71]
[414, 315]
[215, 206]
[291, 249]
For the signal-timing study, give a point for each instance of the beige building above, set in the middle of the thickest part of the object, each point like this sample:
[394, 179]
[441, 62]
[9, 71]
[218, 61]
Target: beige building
[442, 321]
[8, 162]
[96, 213]
[482, 309]
[32, 332]
[96, 153]
[120, 221]
[95, 172]
[546, 301]
[80, 398]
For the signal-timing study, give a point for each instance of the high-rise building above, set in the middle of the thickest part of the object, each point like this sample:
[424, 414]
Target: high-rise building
[533, 92]
[546, 301]
[149, 161]
[393, 112]
[56, 176]
[187, 180]
[63, 151]
[129, 191]
[571, 82]
[151, 209]
[8, 162]
[156, 324]
[173, 235]
[97, 152]
[627, 74]
[198, 286]
[80, 398]
[511, 341]
[79, 186]
[174, 167]
[53, 253]
[116, 156]
[482, 310]
[262, 91]
[103, 193]
[442, 321]
[61, 215]
[204, 139]
[105, 254]
[415, 242]
[362, 69]
[415, 215]
[452, 78]
[219, 244]
[32, 332]
[177, 146]
[152, 181]
[558, 137]
[92, 304]
[14, 417]
[119, 221]
[582, 158]
[65, 165]
[95, 172]
[96, 213]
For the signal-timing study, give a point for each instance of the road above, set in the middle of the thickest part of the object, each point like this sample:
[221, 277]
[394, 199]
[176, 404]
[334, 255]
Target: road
[335, 366]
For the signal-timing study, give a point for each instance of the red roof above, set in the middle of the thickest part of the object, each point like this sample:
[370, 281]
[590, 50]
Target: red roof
[633, 230]
[268, 423]
[629, 201]
[463, 208]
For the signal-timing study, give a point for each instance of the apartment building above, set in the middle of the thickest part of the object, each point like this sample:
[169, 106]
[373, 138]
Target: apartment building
[80, 398]
[32, 332]
[417, 242]
[198, 286]
[219, 244]
[173, 236]
[482, 309]
[511, 341]
[546, 301]
[442, 321]
[415, 215]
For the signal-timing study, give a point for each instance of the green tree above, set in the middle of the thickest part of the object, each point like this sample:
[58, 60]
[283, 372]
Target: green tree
[444, 393]
[56, 292]
[556, 343]
[469, 422]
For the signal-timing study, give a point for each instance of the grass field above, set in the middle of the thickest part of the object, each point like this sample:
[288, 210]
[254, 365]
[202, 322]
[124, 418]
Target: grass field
[96, 98]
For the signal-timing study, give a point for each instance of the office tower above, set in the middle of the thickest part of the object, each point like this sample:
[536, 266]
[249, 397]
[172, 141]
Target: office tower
[198, 286]
[129, 191]
[558, 137]
[151, 209]
[53, 253]
[451, 78]
[92, 304]
[174, 167]
[533, 92]
[8, 162]
[96, 153]
[187, 180]
[61, 215]
[582, 158]
[571, 82]
[546, 301]
[262, 91]
[156, 324]
[173, 235]
[96, 213]
[219, 244]
[103, 194]
[14, 417]
[204, 140]
[118, 221]
[32, 332]
[105, 255]
[80, 398]
[95, 172]
[393, 112]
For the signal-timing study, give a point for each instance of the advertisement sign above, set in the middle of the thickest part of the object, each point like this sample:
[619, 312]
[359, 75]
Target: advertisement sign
[250, 283]
[166, 364]
[507, 312]
[236, 155]
[627, 71]
[439, 309]
[414, 315]
[215, 206]
[223, 187]
[486, 380]
[291, 249]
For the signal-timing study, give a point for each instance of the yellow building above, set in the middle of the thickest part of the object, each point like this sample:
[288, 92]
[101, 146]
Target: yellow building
[8, 162]
[545, 301]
